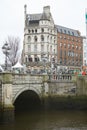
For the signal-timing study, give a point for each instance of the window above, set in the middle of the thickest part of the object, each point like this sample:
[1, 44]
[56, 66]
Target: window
[64, 45]
[69, 32]
[61, 30]
[76, 47]
[72, 46]
[72, 54]
[35, 38]
[42, 30]
[50, 49]
[64, 61]
[60, 37]
[73, 33]
[42, 48]
[68, 45]
[29, 31]
[29, 38]
[32, 31]
[30, 58]
[65, 31]
[29, 48]
[68, 53]
[36, 58]
[60, 44]
[60, 61]
[50, 39]
[80, 48]
[35, 30]
[42, 38]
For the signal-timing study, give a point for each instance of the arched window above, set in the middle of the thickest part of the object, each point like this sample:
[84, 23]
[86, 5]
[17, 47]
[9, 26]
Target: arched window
[35, 38]
[32, 31]
[36, 58]
[35, 30]
[50, 49]
[29, 38]
[48, 38]
[42, 38]
[30, 58]
[29, 31]
[42, 30]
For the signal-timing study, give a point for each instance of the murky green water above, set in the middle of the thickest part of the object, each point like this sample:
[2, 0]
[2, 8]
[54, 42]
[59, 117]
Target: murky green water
[53, 120]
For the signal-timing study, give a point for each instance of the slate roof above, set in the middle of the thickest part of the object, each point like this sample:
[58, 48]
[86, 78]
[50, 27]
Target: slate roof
[68, 31]
[37, 17]
[61, 29]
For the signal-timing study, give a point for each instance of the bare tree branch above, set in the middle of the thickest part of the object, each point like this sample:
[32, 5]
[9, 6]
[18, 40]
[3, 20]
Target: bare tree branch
[13, 43]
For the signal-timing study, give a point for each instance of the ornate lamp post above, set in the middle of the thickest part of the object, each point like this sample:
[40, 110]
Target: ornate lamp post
[6, 50]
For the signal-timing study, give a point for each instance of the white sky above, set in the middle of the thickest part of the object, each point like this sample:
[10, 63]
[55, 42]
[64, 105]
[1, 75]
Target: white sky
[68, 13]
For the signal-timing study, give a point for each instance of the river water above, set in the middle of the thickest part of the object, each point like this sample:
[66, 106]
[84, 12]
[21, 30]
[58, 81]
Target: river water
[52, 120]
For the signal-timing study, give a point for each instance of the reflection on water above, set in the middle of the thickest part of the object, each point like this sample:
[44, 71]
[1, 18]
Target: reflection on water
[53, 120]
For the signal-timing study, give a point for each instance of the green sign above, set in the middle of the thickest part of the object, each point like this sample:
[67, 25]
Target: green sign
[86, 17]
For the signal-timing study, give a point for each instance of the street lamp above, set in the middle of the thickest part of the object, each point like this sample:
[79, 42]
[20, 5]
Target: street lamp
[6, 50]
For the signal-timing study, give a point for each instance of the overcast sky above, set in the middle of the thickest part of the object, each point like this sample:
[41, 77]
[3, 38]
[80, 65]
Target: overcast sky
[67, 13]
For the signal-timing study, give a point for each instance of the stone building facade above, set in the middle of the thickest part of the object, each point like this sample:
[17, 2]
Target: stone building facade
[47, 45]
[40, 40]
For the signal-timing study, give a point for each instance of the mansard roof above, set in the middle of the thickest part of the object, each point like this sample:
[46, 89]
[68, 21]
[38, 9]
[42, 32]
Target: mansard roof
[37, 17]
[33, 17]
[68, 31]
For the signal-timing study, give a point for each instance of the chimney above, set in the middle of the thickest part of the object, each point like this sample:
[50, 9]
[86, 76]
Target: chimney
[46, 9]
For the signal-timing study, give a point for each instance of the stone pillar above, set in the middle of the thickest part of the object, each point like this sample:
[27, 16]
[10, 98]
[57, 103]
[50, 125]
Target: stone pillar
[7, 108]
[81, 86]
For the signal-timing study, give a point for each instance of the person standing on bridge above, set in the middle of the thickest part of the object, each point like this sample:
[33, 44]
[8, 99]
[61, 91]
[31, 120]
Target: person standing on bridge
[83, 73]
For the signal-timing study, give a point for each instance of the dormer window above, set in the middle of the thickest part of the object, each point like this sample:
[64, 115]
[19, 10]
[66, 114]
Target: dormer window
[73, 33]
[69, 32]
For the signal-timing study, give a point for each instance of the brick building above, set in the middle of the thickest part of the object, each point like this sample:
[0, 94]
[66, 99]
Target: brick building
[70, 47]
[47, 45]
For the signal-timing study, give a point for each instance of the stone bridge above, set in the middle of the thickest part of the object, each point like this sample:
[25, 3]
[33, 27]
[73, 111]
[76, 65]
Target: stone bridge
[13, 85]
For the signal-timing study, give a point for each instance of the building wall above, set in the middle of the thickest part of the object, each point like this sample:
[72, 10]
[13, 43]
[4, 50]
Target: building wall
[84, 52]
[70, 49]
[63, 44]
[40, 37]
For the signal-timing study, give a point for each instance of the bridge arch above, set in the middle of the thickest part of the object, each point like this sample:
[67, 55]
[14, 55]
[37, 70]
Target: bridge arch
[37, 91]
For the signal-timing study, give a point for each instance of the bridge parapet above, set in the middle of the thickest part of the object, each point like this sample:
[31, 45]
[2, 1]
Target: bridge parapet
[6, 77]
[62, 77]
[26, 78]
